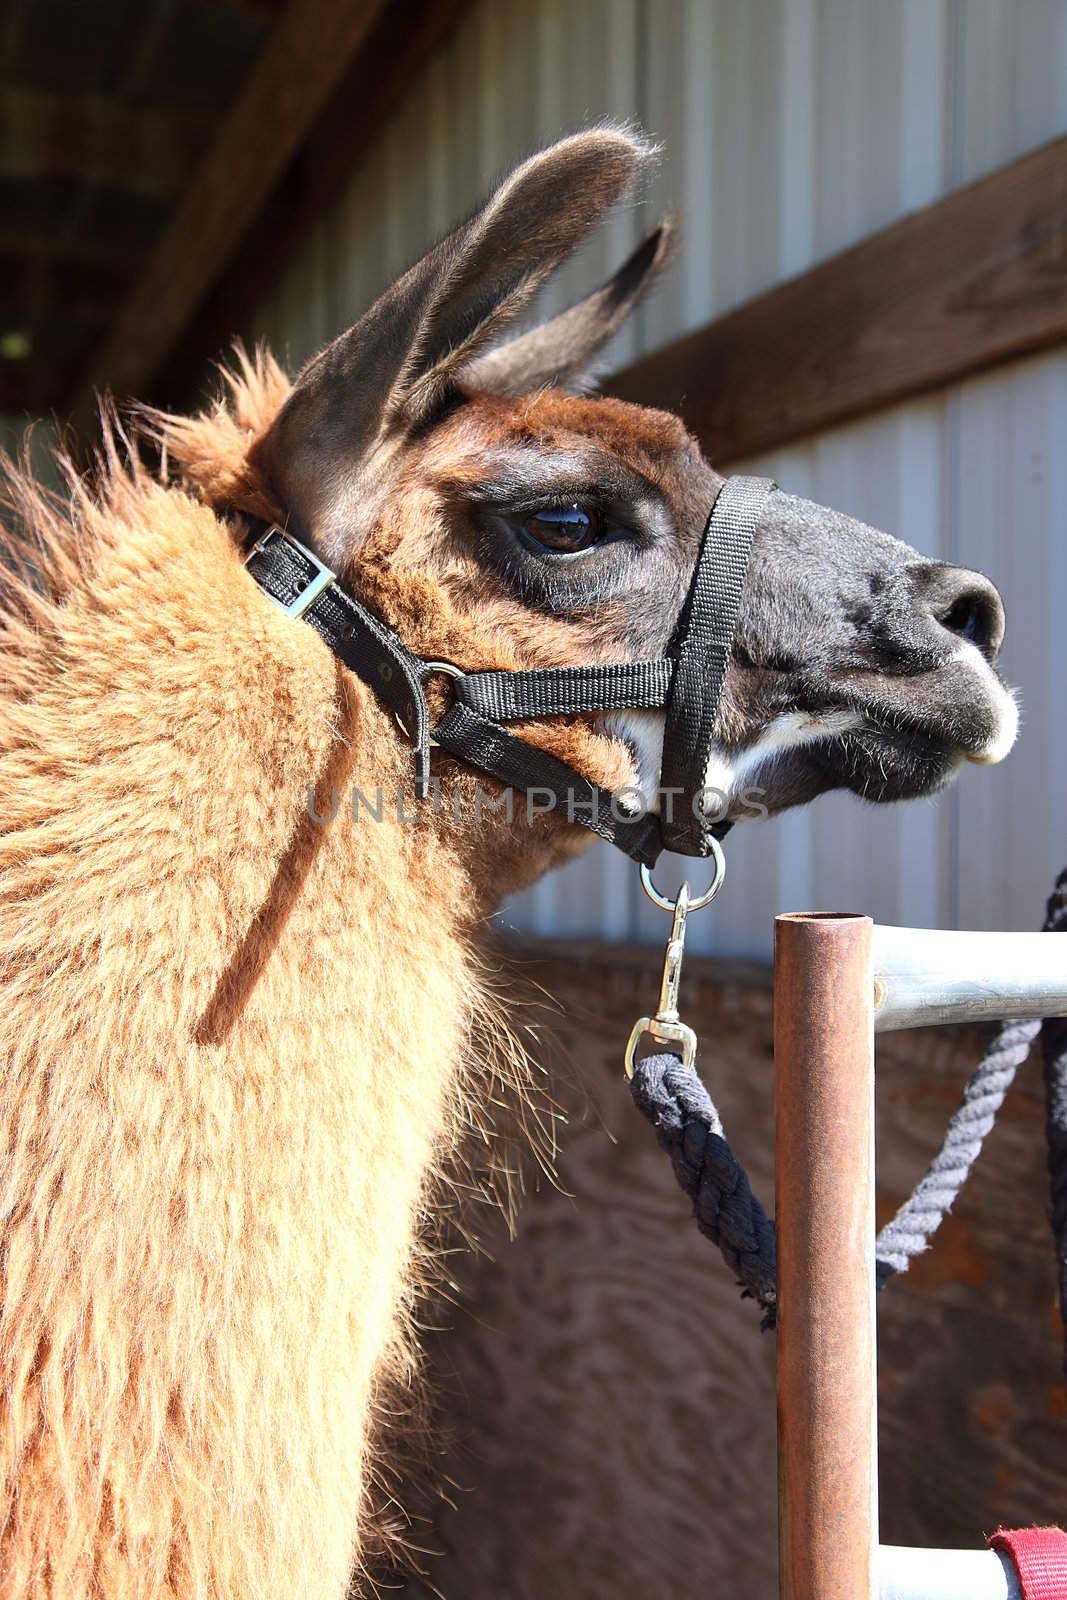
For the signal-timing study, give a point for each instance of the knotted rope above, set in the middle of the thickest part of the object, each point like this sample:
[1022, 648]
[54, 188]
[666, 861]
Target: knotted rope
[689, 1128]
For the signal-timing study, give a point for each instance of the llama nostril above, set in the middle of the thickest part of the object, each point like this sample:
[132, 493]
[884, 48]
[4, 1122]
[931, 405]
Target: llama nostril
[965, 604]
[977, 616]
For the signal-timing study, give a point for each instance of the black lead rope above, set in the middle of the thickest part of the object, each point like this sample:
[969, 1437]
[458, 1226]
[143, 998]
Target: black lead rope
[688, 1126]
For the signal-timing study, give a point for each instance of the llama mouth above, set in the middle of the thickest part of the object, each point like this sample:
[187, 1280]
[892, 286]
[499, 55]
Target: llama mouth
[963, 738]
[889, 756]
[968, 712]
[880, 751]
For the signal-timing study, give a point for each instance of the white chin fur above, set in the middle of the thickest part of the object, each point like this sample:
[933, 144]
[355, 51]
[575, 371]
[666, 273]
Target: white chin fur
[727, 774]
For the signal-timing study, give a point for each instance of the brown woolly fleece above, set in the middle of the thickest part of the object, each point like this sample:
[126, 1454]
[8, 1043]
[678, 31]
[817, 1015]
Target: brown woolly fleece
[235, 1041]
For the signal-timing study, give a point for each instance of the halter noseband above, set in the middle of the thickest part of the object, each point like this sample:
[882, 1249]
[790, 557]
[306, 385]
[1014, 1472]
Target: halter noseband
[687, 683]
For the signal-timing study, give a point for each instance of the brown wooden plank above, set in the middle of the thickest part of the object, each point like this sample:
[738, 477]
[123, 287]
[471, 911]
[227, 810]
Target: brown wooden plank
[305, 58]
[975, 279]
[407, 34]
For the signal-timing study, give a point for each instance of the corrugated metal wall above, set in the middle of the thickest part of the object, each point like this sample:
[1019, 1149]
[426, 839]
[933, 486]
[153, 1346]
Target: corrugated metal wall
[791, 128]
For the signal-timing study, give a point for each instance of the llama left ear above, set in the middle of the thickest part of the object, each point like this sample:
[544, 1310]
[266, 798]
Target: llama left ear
[560, 353]
[355, 406]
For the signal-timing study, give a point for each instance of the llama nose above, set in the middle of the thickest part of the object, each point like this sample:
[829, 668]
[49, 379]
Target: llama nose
[963, 603]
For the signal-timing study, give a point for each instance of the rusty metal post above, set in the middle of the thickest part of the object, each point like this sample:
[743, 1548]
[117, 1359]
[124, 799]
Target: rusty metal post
[824, 1154]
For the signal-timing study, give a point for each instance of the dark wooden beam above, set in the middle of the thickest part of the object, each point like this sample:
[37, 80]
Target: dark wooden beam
[254, 8]
[406, 35]
[115, 254]
[91, 139]
[978, 278]
[58, 289]
[306, 56]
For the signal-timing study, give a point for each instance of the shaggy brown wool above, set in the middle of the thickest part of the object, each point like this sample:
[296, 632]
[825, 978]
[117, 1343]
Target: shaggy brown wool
[234, 1042]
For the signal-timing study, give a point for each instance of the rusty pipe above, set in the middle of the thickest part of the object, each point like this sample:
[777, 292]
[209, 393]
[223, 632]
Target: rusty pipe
[824, 1155]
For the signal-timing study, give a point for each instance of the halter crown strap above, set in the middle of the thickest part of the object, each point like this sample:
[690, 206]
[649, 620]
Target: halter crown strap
[688, 682]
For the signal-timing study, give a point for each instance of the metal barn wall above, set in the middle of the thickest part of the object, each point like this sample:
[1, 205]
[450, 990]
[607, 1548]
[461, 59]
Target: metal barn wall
[791, 128]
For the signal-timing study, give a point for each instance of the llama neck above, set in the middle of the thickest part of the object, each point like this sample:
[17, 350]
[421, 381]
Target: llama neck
[231, 1034]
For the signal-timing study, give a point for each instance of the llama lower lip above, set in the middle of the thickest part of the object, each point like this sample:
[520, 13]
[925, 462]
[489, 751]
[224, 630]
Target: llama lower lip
[883, 763]
[912, 735]
[921, 738]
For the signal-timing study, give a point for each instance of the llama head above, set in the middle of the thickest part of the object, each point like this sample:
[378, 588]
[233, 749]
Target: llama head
[500, 515]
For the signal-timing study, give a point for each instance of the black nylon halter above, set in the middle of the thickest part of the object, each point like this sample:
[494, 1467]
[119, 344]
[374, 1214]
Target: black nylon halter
[687, 683]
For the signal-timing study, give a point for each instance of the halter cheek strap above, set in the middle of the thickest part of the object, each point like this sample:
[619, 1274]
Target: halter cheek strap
[687, 683]
[705, 638]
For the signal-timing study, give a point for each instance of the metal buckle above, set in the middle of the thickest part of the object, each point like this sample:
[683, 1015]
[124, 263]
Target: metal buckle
[317, 583]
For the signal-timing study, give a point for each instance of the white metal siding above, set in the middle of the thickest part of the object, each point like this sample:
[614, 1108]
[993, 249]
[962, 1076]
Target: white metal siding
[791, 128]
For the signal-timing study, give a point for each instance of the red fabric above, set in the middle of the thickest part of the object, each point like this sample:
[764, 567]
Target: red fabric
[1040, 1556]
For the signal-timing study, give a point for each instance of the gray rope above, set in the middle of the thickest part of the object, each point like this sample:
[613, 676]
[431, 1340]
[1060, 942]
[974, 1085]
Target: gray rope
[913, 1227]
[919, 1218]
[688, 1126]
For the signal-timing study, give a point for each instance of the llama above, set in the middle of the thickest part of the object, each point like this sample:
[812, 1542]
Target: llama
[238, 1040]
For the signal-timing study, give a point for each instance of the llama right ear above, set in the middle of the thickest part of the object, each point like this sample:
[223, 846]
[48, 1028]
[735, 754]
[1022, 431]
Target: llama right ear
[562, 352]
[387, 375]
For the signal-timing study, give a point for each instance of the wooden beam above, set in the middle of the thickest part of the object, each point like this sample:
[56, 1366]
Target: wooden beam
[304, 59]
[57, 289]
[254, 8]
[975, 279]
[406, 36]
[115, 254]
[92, 139]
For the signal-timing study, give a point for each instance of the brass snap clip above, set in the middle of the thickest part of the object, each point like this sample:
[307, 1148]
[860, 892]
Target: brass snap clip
[666, 1026]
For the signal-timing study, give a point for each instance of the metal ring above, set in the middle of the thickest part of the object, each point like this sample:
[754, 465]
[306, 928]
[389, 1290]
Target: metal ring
[718, 856]
[426, 667]
[447, 667]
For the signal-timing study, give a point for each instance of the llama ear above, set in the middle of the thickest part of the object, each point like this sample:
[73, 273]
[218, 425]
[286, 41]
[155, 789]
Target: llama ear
[389, 372]
[561, 352]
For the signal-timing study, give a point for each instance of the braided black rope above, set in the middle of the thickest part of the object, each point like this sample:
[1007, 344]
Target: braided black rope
[1054, 1043]
[1054, 1052]
[688, 1126]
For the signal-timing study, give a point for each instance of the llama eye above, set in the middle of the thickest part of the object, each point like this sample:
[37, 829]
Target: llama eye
[564, 530]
